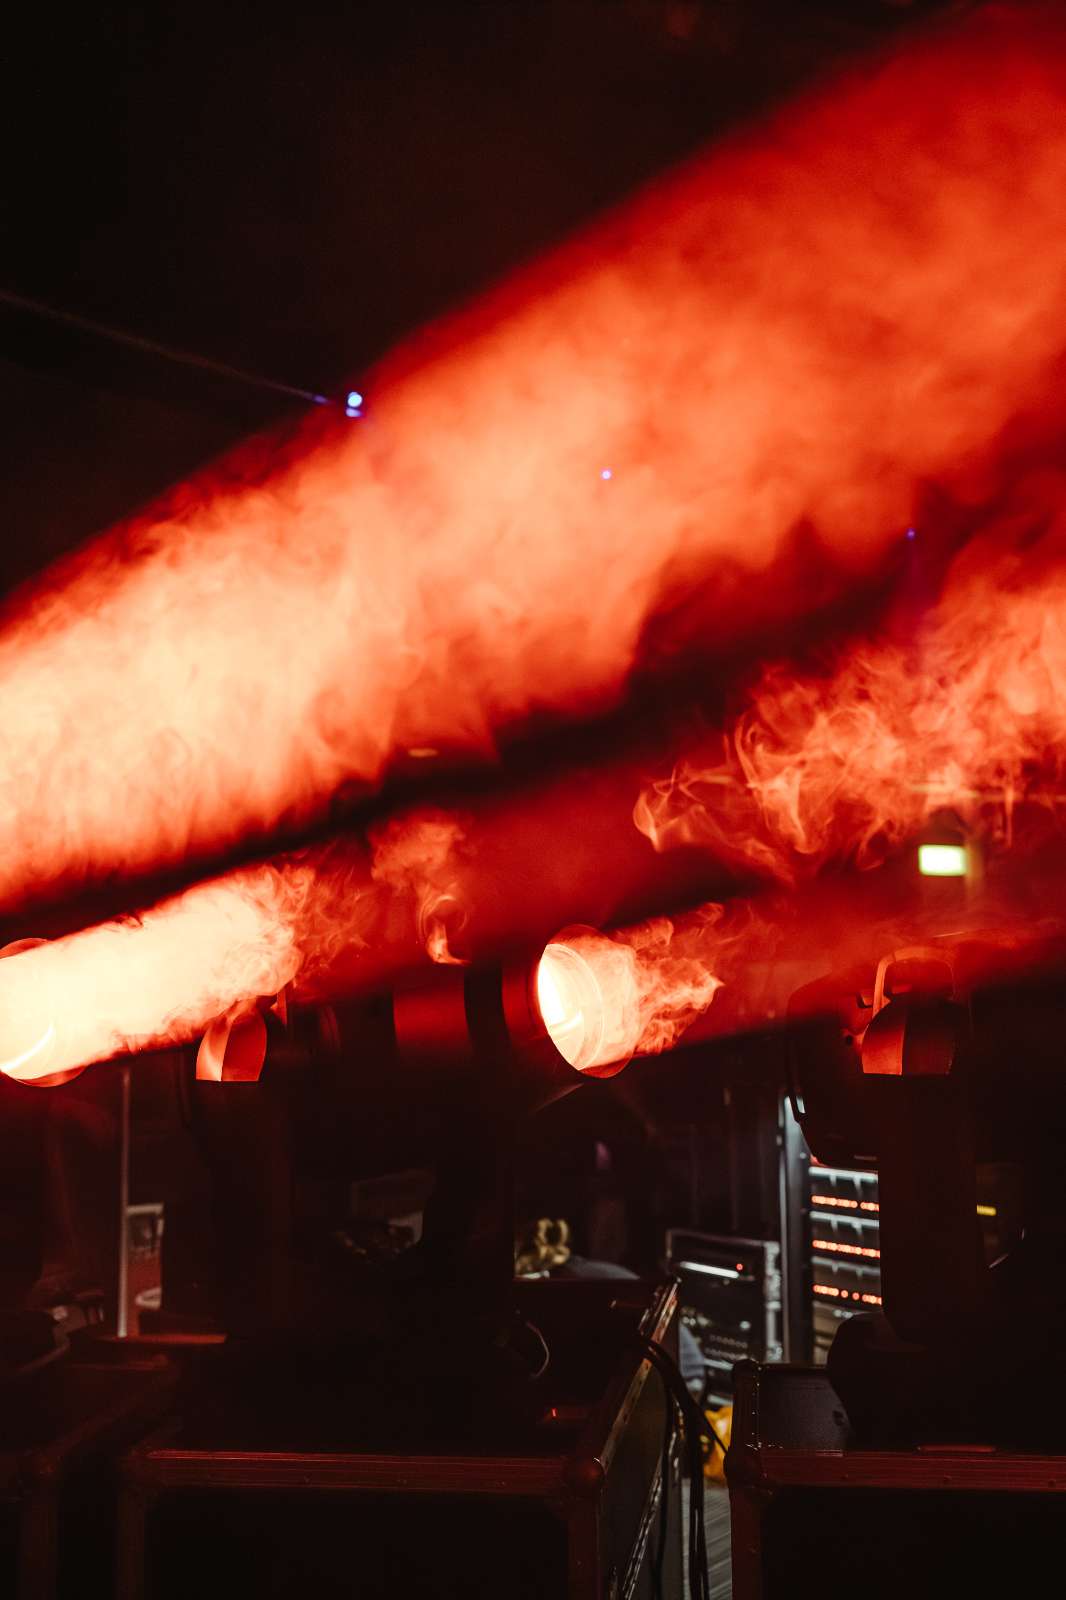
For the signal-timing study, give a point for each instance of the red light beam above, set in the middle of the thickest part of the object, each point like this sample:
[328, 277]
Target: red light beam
[797, 328]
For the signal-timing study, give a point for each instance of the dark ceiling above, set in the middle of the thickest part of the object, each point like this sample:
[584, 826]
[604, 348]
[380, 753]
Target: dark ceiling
[288, 189]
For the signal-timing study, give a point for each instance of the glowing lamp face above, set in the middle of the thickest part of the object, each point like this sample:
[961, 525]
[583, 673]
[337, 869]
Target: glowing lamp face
[942, 860]
[576, 1012]
[29, 1035]
[571, 1007]
[33, 1062]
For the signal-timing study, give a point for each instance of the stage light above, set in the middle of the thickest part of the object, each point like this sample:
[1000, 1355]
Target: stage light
[536, 1027]
[584, 999]
[572, 1006]
[550, 1022]
[30, 1034]
[943, 860]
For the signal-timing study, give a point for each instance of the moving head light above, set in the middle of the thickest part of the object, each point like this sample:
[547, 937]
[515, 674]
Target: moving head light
[550, 1022]
[937, 1061]
[296, 1098]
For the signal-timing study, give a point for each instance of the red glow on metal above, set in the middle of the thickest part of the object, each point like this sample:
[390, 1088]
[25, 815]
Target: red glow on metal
[233, 1050]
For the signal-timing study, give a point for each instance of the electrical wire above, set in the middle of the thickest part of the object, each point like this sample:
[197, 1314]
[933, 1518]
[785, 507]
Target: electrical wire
[696, 1427]
[152, 347]
[664, 1493]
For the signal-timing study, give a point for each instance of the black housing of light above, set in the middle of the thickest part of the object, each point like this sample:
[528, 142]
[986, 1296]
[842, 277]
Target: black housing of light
[538, 1025]
[498, 1015]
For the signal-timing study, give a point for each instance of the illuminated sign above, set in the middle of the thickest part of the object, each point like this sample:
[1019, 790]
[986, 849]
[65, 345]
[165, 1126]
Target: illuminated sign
[942, 860]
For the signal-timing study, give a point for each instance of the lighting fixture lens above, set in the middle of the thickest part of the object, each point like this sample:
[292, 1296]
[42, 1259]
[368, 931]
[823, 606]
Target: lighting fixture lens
[942, 860]
[571, 1005]
[28, 1032]
[33, 1062]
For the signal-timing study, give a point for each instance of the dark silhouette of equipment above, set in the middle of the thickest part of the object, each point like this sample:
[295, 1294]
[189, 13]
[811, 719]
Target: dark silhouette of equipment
[942, 1062]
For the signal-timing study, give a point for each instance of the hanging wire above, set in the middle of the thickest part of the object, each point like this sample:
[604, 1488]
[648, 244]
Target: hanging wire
[152, 347]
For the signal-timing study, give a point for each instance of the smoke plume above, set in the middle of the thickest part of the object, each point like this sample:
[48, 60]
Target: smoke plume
[798, 330]
[967, 713]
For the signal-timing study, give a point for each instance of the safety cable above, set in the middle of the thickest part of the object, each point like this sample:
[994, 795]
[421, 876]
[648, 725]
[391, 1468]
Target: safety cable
[152, 347]
[696, 1427]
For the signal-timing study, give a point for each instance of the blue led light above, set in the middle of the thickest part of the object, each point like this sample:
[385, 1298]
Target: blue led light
[354, 400]
[912, 533]
[606, 474]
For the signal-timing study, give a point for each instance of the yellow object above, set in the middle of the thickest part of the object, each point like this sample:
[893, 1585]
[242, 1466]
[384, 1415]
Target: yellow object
[713, 1460]
[540, 1246]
